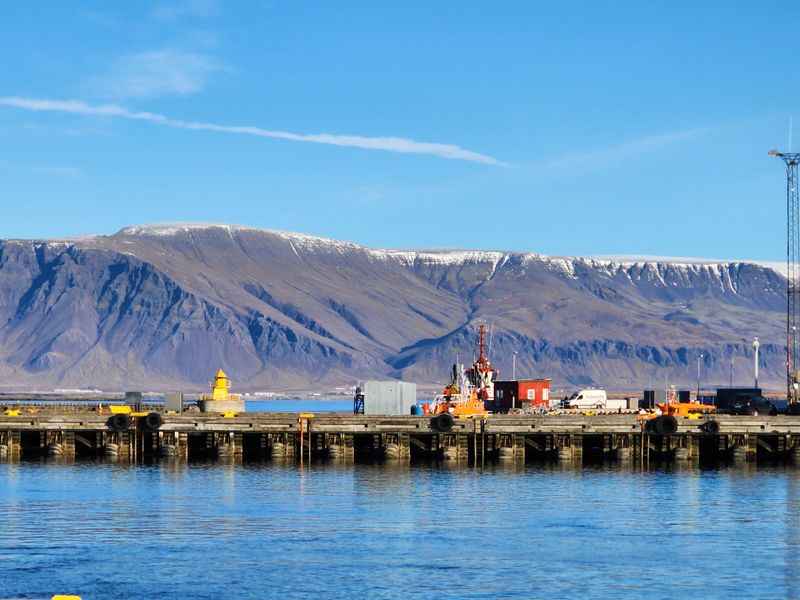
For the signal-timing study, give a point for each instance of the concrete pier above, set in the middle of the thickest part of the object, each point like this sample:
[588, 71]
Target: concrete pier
[475, 441]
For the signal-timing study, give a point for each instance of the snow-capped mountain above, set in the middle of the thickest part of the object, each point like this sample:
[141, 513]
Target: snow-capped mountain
[163, 306]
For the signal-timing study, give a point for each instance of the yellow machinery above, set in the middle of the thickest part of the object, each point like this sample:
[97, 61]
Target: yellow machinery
[126, 409]
[665, 420]
[123, 417]
[689, 410]
[685, 409]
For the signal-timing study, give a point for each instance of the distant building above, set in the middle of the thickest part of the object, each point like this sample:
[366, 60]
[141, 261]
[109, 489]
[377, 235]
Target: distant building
[522, 393]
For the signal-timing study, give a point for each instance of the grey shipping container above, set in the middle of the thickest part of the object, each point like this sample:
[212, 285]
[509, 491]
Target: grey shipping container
[389, 397]
[174, 402]
[134, 399]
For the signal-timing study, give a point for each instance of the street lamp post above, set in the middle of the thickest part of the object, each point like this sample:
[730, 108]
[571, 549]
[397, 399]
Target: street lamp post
[731, 380]
[756, 345]
[514, 378]
[699, 358]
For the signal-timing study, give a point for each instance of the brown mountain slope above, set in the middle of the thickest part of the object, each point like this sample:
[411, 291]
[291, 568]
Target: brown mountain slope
[160, 307]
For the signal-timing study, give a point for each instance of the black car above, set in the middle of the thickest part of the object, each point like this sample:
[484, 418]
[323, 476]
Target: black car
[754, 406]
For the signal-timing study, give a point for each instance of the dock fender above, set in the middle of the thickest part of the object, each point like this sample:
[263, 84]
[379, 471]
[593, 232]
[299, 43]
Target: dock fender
[668, 424]
[443, 422]
[663, 425]
[711, 427]
[119, 422]
[151, 421]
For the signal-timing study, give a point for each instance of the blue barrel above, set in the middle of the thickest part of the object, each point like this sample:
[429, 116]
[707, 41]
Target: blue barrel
[416, 410]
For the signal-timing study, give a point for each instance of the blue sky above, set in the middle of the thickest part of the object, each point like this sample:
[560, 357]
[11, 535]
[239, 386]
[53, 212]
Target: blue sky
[580, 128]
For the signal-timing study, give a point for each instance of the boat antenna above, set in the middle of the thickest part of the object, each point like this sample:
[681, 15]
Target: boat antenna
[481, 342]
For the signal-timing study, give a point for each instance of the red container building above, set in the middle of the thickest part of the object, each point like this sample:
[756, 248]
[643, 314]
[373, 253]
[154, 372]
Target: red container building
[522, 393]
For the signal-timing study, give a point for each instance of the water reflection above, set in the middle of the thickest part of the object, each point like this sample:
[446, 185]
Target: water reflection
[791, 524]
[394, 530]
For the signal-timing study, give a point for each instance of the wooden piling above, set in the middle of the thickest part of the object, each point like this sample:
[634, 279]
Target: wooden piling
[483, 442]
[475, 442]
[310, 440]
[183, 446]
[396, 446]
[68, 445]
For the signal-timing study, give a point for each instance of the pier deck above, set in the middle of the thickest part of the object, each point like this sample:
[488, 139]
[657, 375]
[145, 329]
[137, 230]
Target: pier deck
[346, 437]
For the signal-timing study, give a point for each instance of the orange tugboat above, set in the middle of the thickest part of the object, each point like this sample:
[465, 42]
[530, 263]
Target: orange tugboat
[467, 391]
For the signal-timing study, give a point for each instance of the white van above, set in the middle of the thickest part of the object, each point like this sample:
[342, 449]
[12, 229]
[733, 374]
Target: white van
[587, 399]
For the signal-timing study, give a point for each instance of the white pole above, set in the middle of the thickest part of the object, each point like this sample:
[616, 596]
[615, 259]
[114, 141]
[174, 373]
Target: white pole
[699, 358]
[514, 366]
[755, 359]
[731, 382]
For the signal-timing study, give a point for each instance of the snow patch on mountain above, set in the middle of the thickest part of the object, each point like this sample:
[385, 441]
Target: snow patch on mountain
[447, 257]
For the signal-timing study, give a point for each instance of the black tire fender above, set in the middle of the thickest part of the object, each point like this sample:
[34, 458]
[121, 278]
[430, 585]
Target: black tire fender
[119, 422]
[662, 425]
[443, 422]
[667, 424]
[151, 421]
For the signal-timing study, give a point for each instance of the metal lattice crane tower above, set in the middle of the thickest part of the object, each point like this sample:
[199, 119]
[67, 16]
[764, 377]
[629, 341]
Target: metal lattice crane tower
[792, 159]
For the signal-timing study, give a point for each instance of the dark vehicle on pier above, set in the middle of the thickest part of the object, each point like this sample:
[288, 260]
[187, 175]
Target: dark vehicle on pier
[744, 401]
[753, 406]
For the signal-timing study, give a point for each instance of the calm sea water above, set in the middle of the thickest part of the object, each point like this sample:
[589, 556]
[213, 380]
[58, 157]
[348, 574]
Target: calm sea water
[379, 531]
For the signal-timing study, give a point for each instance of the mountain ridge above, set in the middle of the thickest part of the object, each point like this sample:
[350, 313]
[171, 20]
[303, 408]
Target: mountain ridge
[455, 254]
[282, 309]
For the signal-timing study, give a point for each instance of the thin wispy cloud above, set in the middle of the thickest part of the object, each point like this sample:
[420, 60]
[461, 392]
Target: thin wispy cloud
[155, 73]
[616, 153]
[389, 144]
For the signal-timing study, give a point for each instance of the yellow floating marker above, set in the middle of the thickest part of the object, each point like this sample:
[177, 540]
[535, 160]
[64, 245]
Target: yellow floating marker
[65, 597]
